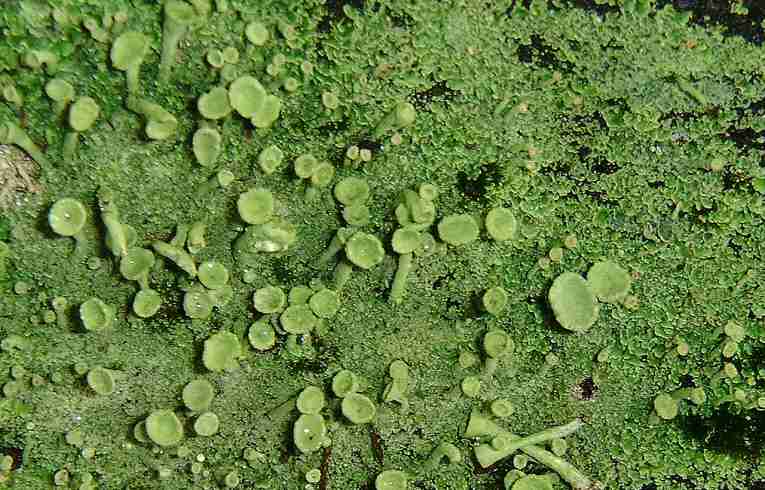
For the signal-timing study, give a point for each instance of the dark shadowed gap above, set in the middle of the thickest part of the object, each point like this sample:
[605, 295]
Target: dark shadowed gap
[335, 14]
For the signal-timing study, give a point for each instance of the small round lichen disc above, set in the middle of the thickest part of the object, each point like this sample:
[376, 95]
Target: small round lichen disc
[220, 350]
[358, 408]
[573, 302]
[364, 250]
[458, 229]
[197, 304]
[83, 113]
[206, 144]
[269, 299]
[96, 315]
[356, 214]
[268, 113]
[406, 240]
[391, 480]
[247, 95]
[214, 104]
[325, 303]
[497, 343]
[666, 406]
[501, 224]
[322, 176]
[164, 428]
[257, 33]
[256, 206]
[533, 482]
[309, 432]
[305, 165]
[609, 281]
[212, 275]
[495, 300]
[198, 394]
[310, 400]
[344, 382]
[206, 424]
[67, 216]
[261, 335]
[101, 381]
[146, 303]
[128, 49]
[136, 263]
[298, 319]
[270, 158]
[351, 190]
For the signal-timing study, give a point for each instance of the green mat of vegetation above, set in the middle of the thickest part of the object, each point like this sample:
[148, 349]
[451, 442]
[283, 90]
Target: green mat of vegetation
[319, 245]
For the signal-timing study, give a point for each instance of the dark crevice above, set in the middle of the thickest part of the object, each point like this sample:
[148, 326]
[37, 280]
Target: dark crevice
[587, 389]
[542, 54]
[438, 92]
[734, 179]
[474, 188]
[709, 13]
[727, 431]
[593, 6]
[335, 13]
[603, 166]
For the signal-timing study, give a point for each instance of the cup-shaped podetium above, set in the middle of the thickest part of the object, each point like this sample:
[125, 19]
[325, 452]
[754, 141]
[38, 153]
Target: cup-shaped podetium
[257, 33]
[494, 300]
[262, 335]
[364, 250]
[256, 206]
[573, 302]
[309, 433]
[305, 165]
[358, 408]
[311, 400]
[270, 158]
[392, 480]
[247, 96]
[610, 282]
[268, 113]
[83, 113]
[206, 144]
[298, 319]
[345, 383]
[325, 303]
[212, 275]
[96, 315]
[497, 343]
[61, 93]
[207, 424]
[351, 190]
[147, 303]
[458, 229]
[220, 351]
[179, 17]
[214, 104]
[164, 428]
[101, 381]
[406, 240]
[269, 299]
[501, 224]
[198, 394]
[198, 303]
[127, 54]
[135, 266]
[67, 217]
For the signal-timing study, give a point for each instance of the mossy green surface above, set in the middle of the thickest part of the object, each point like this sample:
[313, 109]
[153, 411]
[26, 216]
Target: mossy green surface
[636, 127]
